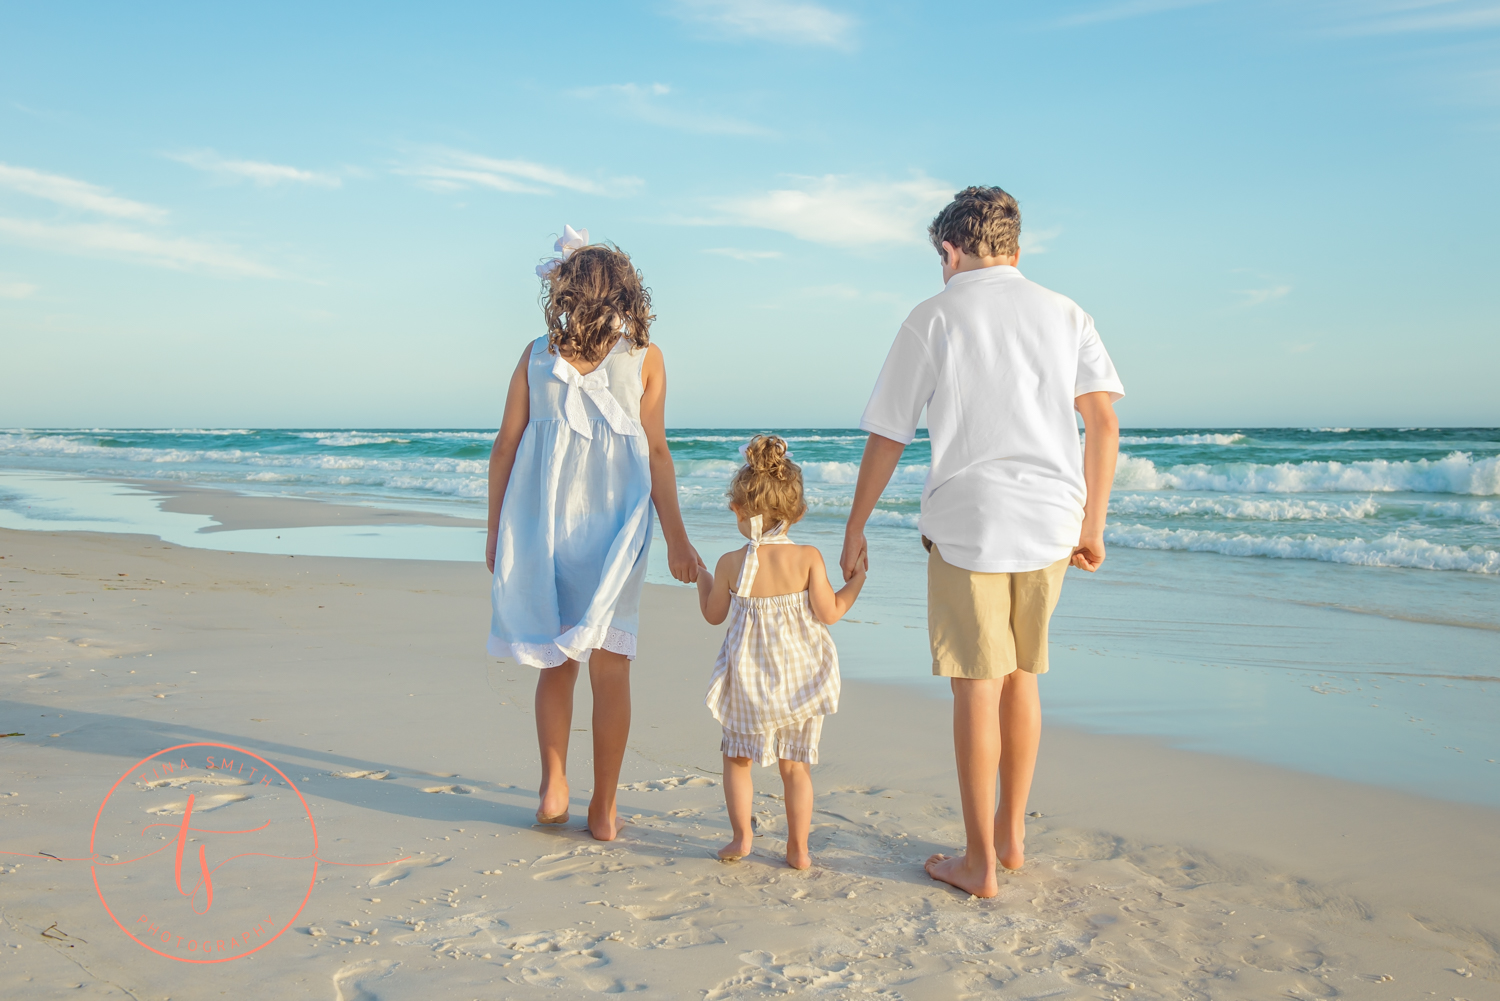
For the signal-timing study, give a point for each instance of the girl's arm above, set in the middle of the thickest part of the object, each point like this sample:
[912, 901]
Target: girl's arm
[682, 558]
[503, 454]
[713, 590]
[827, 605]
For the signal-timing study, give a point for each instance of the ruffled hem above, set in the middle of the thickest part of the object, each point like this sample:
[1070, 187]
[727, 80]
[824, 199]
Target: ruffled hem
[766, 748]
[572, 645]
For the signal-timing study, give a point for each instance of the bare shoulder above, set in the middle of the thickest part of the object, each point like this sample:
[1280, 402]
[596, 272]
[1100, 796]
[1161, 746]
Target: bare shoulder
[730, 562]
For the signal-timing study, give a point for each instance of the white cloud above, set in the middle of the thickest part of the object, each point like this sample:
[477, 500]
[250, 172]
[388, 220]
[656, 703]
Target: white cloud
[1035, 241]
[1257, 296]
[76, 194]
[842, 211]
[772, 20]
[649, 103]
[16, 290]
[1127, 10]
[257, 171]
[1411, 16]
[743, 255]
[111, 240]
[455, 170]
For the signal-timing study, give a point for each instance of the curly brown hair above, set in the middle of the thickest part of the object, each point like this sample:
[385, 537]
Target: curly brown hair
[981, 221]
[593, 299]
[769, 484]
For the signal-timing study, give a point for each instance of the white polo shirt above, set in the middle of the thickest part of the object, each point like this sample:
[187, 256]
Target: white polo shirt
[997, 360]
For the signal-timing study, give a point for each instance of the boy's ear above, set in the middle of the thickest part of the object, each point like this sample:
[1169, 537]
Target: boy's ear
[950, 255]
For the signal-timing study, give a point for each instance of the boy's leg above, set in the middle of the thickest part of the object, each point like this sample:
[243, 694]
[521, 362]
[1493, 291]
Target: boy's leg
[739, 795]
[609, 677]
[554, 724]
[976, 745]
[796, 784]
[1020, 736]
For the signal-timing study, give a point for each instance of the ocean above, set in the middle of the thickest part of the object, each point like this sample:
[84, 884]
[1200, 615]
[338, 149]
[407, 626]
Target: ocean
[1326, 599]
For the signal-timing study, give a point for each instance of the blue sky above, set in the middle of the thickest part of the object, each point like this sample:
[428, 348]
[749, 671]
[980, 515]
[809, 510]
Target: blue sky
[329, 215]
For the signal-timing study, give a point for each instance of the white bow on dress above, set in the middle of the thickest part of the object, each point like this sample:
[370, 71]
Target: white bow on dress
[595, 386]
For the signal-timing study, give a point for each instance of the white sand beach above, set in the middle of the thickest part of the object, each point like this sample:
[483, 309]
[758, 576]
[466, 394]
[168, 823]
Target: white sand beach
[1152, 872]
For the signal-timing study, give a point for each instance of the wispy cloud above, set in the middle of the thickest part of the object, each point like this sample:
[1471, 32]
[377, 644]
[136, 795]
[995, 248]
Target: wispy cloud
[1258, 296]
[743, 255]
[112, 240]
[75, 194]
[1418, 16]
[1125, 11]
[1036, 241]
[772, 20]
[455, 170]
[842, 211]
[256, 171]
[651, 103]
[16, 290]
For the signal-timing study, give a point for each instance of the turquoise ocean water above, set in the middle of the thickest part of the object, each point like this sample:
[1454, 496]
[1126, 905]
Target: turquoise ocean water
[1326, 599]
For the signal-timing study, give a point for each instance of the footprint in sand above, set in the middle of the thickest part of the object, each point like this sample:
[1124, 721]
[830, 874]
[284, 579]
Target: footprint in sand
[179, 781]
[671, 782]
[401, 870]
[349, 983]
[361, 774]
[457, 790]
[201, 804]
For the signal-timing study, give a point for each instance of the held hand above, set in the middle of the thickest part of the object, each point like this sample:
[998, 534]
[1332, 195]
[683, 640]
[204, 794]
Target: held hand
[1089, 553]
[856, 553]
[683, 560]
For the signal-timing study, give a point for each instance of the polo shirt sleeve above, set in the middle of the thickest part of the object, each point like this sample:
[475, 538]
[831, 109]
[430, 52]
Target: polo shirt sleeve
[905, 386]
[1096, 372]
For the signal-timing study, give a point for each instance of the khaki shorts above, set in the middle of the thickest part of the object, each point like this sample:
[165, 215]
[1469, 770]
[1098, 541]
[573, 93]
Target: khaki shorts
[986, 625]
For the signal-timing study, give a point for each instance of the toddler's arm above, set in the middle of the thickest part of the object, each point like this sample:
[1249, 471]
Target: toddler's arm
[830, 606]
[713, 590]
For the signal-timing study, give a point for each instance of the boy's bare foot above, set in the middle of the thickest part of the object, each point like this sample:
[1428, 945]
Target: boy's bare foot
[960, 872]
[1010, 847]
[798, 858]
[736, 849]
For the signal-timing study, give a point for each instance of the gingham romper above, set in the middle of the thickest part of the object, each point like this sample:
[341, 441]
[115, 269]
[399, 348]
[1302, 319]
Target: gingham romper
[777, 674]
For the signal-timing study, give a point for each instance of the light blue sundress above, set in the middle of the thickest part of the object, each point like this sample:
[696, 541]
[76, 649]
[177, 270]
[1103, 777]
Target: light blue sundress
[575, 525]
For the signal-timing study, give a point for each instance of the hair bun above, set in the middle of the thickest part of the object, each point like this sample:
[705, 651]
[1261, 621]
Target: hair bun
[767, 453]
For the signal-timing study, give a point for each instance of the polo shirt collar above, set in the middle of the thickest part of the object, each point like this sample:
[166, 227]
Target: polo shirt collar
[984, 274]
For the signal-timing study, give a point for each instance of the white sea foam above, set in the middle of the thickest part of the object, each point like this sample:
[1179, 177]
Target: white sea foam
[1455, 473]
[1393, 550]
[345, 439]
[1243, 508]
[1479, 512]
[1183, 439]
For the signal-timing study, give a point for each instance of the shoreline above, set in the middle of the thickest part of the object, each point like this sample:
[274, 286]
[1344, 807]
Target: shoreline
[1176, 871]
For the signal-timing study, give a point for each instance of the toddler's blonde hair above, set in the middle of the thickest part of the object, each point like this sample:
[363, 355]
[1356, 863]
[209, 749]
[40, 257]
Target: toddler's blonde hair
[769, 484]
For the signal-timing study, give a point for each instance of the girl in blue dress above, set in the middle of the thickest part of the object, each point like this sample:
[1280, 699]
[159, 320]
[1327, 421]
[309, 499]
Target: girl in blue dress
[579, 463]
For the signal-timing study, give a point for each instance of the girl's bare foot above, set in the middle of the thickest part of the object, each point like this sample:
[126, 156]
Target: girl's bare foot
[553, 808]
[736, 849]
[798, 858]
[604, 826]
[976, 878]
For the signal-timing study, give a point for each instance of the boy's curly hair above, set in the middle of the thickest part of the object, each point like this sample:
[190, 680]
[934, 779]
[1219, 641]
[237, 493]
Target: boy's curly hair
[980, 221]
[592, 299]
[769, 484]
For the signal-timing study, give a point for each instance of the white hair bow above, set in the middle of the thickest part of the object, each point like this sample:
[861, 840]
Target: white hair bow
[571, 240]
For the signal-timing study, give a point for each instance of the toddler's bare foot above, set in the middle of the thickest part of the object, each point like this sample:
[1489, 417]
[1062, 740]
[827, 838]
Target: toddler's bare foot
[798, 858]
[604, 826]
[978, 879]
[736, 849]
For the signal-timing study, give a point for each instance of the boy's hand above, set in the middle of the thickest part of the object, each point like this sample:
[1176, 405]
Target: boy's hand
[1089, 552]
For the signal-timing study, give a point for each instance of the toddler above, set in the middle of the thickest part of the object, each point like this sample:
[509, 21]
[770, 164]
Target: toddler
[777, 674]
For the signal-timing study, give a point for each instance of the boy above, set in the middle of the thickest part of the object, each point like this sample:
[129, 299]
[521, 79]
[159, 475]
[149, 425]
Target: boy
[1001, 364]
